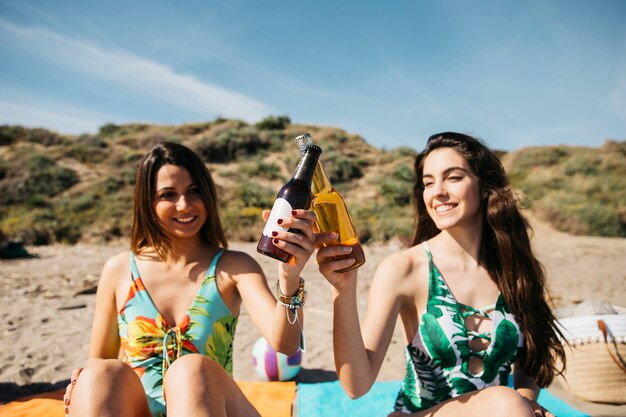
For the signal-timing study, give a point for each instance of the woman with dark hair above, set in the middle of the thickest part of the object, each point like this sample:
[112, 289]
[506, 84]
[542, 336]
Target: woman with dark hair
[471, 296]
[169, 307]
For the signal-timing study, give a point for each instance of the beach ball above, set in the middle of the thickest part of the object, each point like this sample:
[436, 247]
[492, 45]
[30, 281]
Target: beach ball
[274, 366]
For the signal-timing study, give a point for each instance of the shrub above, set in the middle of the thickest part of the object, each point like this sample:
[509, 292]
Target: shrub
[4, 168]
[404, 173]
[44, 137]
[261, 169]
[88, 149]
[231, 144]
[396, 192]
[249, 194]
[48, 181]
[11, 134]
[274, 123]
[108, 129]
[340, 168]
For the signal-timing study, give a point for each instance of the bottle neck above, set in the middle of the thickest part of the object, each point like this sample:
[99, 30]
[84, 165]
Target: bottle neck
[306, 167]
[320, 180]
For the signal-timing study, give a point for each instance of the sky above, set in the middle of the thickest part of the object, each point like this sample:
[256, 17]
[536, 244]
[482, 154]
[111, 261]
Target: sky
[514, 73]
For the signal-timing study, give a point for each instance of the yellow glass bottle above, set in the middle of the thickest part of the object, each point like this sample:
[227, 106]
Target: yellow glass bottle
[332, 213]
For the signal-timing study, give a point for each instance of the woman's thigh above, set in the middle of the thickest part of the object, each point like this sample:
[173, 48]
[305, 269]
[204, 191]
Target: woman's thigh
[489, 402]
[195, 381]
[108, 387]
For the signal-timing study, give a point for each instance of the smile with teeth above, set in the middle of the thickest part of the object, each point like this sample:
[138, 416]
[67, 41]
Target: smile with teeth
[185, 219]
[444, 207]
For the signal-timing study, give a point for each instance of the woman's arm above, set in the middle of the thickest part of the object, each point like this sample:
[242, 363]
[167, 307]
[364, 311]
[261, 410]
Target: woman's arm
[282, 331]
[105, 340]
[360, 350]
[529, 389]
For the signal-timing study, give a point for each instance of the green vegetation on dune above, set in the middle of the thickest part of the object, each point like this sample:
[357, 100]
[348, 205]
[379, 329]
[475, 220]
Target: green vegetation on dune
[60, 188]
[577, 190]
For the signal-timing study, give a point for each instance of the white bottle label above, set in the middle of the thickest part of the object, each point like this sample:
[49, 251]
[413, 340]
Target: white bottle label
[281, 210]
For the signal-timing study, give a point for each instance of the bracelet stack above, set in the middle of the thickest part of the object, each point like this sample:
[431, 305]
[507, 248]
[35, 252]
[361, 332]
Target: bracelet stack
[293, 302]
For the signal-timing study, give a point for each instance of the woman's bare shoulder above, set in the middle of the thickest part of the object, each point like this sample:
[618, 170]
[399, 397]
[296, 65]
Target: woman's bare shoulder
[237, 263]
[404, 264]
[115, 268]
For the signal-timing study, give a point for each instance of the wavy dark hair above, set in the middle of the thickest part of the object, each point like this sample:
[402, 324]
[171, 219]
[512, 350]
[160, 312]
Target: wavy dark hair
[505, 251]
[147, 231]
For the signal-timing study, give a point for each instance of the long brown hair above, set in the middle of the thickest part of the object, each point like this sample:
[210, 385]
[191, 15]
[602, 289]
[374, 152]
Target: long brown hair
[147, 230]
[505, 251]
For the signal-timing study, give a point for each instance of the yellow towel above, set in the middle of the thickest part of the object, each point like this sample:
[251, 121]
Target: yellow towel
[271, 399]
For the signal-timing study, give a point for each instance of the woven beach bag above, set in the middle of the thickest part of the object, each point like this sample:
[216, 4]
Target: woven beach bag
[596, 367]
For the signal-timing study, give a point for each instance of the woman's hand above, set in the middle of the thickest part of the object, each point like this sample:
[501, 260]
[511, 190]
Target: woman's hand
[301, 245]
[328, 262]
[70, 387]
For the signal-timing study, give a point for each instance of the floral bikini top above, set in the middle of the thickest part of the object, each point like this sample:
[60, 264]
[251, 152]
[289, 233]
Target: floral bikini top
[149, 344]
[438, 357]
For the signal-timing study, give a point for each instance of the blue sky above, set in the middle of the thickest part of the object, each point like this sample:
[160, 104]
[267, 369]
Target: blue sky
[515, 73]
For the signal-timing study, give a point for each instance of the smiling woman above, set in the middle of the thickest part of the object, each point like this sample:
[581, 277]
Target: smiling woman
[469, 292]
[169, 307]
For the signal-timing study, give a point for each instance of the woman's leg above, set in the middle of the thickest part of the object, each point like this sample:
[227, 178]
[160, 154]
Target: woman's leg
[108, 388]
[198, 386]
[489, 402]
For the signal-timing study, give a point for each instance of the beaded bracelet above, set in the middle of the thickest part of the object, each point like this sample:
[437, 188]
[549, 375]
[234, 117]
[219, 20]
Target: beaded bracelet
[293, 302]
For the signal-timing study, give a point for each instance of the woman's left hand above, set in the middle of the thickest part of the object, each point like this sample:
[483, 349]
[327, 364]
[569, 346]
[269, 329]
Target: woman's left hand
[301, 245]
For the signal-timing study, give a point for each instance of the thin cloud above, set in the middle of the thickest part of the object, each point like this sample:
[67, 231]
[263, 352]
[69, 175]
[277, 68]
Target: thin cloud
[137, 73]
[39, 114]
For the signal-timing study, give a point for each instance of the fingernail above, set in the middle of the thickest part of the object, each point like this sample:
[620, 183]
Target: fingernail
[67, 410]
[294, 212]
[73, 382]
[351, 260]
[67, 401]
[346, 249]
[275, 241]
[280, 221]
[274, 234]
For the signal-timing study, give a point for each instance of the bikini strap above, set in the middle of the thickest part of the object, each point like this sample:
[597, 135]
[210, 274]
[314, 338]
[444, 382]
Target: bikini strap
[133, 267]
[210, 273]
[430, 256]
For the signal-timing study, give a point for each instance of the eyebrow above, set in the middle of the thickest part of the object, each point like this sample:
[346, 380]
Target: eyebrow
[166, 188]
[446, 171]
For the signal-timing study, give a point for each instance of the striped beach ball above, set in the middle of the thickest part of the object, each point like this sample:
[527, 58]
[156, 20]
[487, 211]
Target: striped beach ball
[274, 366]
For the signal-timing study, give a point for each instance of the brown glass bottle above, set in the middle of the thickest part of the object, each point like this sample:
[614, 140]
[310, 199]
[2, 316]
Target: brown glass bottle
[332, 213]
[295, 194]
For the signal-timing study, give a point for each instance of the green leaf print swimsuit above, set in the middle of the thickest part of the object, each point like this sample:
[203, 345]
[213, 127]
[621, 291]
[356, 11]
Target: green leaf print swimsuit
[438, 356]
[149, 344]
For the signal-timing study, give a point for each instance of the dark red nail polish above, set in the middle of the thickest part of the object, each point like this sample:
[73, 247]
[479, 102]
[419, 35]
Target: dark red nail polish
[275, 241]
[280, 221]
[274, 234]
[293, 212]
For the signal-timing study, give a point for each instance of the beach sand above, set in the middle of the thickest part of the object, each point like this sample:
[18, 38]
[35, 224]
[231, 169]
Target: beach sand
[47, 302]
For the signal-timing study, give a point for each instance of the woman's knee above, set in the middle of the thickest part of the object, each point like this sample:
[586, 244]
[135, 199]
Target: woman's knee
[193, 369]
[105, 372]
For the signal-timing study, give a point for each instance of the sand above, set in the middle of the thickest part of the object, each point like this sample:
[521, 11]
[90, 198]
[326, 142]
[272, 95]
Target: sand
[47, 302]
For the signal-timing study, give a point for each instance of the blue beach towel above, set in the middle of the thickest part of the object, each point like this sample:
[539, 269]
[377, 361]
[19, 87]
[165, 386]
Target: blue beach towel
[327, 399]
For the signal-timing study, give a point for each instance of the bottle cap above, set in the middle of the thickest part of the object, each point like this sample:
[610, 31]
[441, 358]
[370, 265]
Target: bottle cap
[312, 148]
